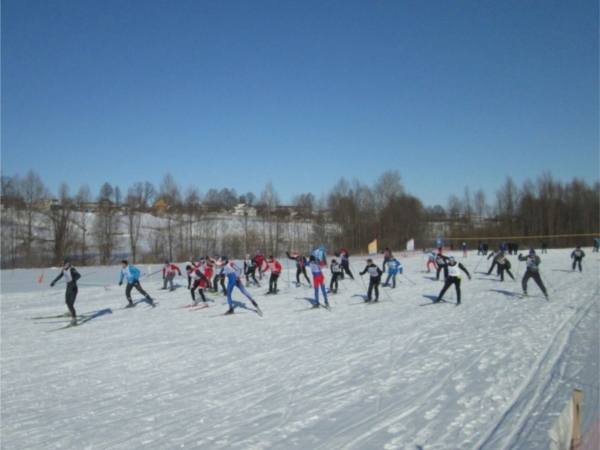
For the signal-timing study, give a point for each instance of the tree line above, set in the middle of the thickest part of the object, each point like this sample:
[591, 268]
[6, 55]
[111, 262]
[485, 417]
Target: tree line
[39, 232]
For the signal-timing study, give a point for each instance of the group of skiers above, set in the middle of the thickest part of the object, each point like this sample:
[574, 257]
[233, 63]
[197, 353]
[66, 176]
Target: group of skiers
[199, 275]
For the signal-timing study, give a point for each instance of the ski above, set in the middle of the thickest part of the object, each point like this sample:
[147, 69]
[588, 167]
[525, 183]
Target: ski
[63, 316]
[437, 303]
[225, 314]
[61, 328]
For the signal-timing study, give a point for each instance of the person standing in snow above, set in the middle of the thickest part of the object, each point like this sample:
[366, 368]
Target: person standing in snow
[168, 272]
[374, 279]
[394, 268]
[219, 276]
[503, 266]
[577, 256]
[275, 267]
[300, 267]
[464, 249]
[260, 263]
[336, 272]
[533, 271]
[454, 274]
[233, 274]
[71, 276]
[132, 274]
[318, 279]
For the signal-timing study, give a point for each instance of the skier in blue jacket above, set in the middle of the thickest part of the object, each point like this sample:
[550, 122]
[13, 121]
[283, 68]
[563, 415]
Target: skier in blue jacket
[394, 268]
[132, 275]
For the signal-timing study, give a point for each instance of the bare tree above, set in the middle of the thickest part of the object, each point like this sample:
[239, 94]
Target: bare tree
[82, 219]
[32, 190]
[61, 224]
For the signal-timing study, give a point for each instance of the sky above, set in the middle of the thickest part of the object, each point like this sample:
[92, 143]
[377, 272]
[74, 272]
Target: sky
[226, 94]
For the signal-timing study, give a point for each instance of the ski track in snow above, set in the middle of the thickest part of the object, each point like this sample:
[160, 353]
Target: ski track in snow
[493, 373]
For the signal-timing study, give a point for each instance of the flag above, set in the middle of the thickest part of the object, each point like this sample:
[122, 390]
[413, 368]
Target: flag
[41, 278]
[373, 247]
[410, 245]
[319, 254]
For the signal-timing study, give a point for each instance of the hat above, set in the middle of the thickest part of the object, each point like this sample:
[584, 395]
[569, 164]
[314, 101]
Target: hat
[166, 261]
[452, 259]
[333, 261]
[369, 260]
[124, 262]
[532, 252]
[270, 256]
[65, 262]
[223, 257]
[312, 258]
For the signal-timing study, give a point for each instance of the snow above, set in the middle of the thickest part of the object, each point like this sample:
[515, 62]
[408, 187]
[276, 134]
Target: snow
[494, 373]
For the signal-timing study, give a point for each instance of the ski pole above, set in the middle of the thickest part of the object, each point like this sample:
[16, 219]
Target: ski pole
[62, 281]
[105, 286]
[409, 279]
[516, 276]
[549, 284]
[150, 274]
[477, 265]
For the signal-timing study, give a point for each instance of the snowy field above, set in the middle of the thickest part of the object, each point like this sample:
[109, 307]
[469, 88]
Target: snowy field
[493, 373]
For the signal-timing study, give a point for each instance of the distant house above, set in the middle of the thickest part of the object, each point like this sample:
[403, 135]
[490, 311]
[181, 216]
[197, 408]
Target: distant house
[160, 206]
[45, 204]
[244, 210]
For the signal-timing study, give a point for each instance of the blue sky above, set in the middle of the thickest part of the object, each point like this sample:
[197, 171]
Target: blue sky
[234, 94]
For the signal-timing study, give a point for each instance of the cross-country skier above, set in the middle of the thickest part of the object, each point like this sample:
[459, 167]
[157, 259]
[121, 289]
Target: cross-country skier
[300, 267]
[442, 264]
[275, 267]
[464, 249]
[454, 269]
[260, 263]
[387, 257]
[318, 279]
[71, 276]
[494, 254]
[345, 262]
[168, 272]
[431, 260]
[132, 275]
[577, 255]
[200, 275]
[533, 271]
[374, 279]
[503, 265]
[233, 274]
[250, 267]
[336, 272]
[394, 268]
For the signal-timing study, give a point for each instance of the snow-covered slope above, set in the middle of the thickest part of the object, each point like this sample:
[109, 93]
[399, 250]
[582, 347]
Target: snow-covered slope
[493, 373]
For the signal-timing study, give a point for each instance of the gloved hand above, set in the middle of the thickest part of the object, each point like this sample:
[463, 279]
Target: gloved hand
[469, 277]
[120, 283]
[520, 255]
[52, 284]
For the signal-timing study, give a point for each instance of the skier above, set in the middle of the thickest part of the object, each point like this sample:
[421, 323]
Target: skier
[275, 267]
[503, 265]
[260, 262]
[533, 271]
[544, 246]
[431, 260]
[300, 267]
[219, 276]
[168, 272]
[250, 266]
[442, 264]
[464, 249]
[71, 276]
[336, 272]
[394, 268]
[132, 275]
[318, 279]
[493, 255]
[374, 280]
[233, 274]
[596, 245]
[480, 248]
[454, 269]
[201, 274]
[387, 257]
[345, 262]
[577, 256]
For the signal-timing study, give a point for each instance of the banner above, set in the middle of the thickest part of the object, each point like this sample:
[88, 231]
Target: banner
[373, 247]
[410, 245]
[319, 253]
